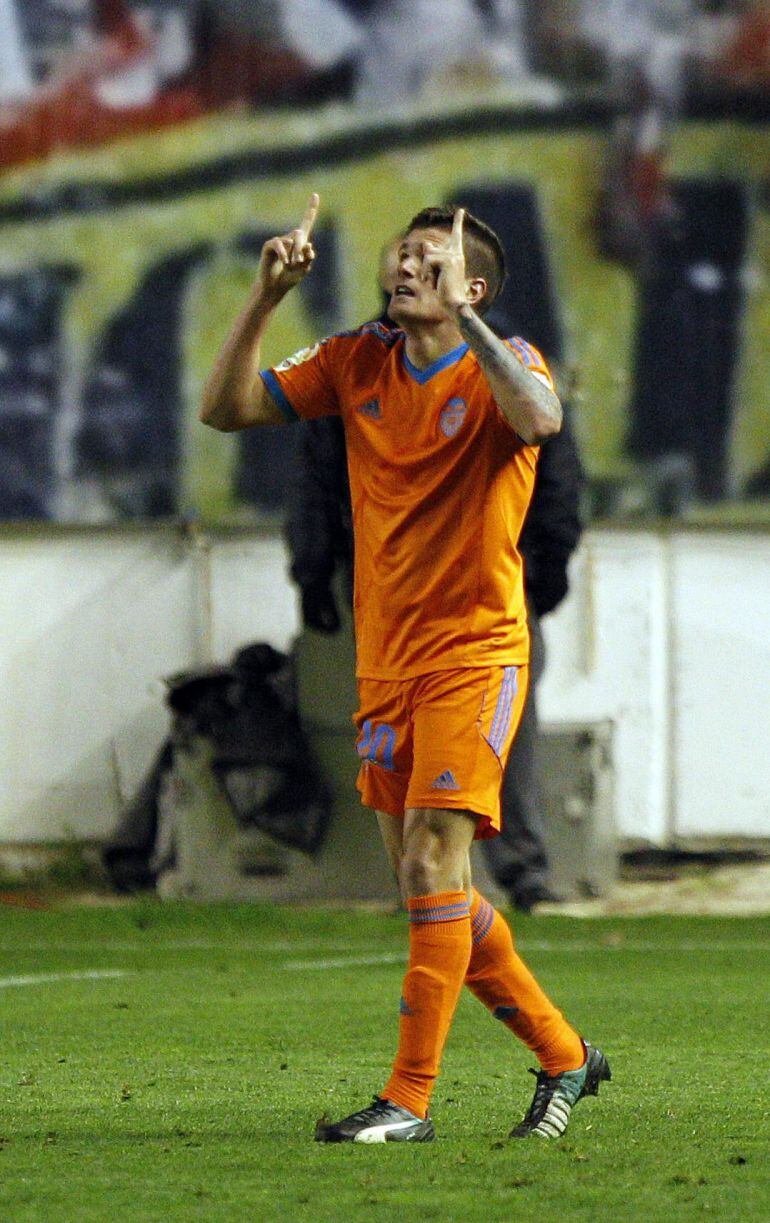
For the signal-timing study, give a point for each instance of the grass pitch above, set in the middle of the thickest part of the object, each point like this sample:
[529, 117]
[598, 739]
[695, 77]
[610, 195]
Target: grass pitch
[162, 1062]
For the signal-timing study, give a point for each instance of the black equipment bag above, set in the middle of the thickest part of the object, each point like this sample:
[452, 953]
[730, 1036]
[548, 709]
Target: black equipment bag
[261, 759]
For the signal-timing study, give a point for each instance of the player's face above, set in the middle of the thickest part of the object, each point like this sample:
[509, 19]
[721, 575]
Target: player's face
[415, 299]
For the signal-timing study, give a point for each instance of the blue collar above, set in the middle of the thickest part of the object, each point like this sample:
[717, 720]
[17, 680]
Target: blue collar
[423, 375]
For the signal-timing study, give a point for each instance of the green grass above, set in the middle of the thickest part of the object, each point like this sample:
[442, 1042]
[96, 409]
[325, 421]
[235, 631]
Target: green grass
[187, 1088]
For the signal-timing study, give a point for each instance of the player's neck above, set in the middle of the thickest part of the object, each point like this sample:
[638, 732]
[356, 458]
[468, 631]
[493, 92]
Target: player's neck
[427, 344]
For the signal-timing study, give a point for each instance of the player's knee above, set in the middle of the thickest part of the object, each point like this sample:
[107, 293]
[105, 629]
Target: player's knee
[417, 875]
[435, 852]
[425, 871]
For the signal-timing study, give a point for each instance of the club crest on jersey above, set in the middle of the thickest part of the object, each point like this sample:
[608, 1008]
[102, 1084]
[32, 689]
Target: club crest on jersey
[298, 358]
[452, 417]
[371, 409]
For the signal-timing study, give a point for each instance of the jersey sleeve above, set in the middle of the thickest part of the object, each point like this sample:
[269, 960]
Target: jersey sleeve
[303, 385]
[532, 360]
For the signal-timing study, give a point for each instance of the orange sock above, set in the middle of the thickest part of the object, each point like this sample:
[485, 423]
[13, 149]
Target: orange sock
[439, 950]
[501, 980]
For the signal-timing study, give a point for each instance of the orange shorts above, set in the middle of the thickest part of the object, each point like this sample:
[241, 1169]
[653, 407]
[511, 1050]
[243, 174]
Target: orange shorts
[439, 740]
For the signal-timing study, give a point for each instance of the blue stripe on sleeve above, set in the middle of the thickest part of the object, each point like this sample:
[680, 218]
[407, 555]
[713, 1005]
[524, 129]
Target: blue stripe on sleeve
[278, 395]
[525, 350]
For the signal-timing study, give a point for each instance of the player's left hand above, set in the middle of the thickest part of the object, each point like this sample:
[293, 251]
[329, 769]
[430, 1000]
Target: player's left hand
[444, 264]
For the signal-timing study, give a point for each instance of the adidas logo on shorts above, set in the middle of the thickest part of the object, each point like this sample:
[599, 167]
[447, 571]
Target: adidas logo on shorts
[445, 781]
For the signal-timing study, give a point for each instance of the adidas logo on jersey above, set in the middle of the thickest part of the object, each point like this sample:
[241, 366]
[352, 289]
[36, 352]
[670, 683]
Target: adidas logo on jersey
[371, 409]
[445, 781]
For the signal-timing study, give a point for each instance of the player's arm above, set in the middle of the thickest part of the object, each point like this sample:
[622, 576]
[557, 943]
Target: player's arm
[235, 397]
[531, 408]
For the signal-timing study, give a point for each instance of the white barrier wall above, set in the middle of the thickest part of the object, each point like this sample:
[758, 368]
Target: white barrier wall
[608, 660]
[720, 684]
[665, 635]
[92, 622]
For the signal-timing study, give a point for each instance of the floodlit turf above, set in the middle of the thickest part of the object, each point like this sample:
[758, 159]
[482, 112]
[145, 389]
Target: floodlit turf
[187, 1088]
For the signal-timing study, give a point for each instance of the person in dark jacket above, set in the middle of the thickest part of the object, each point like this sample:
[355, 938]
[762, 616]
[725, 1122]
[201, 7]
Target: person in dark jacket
[319, 524]
[319, 521]
[518, 858]
[320, 540]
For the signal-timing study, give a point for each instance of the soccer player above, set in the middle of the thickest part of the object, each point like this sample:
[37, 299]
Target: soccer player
[442, 421]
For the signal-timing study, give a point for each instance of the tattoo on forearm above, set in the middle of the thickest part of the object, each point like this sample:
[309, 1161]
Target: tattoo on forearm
[490, 351]
[502, 366]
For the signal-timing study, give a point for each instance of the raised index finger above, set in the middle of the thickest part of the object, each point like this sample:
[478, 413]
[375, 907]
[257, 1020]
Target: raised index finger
[457, 229]
[311, 212]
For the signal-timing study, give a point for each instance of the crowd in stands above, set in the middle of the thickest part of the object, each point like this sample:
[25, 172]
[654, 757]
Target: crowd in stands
[166, 59]
[83, 73]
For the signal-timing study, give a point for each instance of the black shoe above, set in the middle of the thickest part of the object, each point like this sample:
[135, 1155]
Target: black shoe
[383, 1121]
[525, 897]
[557, 1094]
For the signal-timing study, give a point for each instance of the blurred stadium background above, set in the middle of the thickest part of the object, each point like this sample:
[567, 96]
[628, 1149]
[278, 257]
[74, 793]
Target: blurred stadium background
[148, 148]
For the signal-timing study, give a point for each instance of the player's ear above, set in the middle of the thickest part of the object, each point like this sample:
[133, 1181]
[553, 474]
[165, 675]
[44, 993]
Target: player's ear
[477, 290]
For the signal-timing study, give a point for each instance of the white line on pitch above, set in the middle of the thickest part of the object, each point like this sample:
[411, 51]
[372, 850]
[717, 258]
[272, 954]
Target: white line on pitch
[255, 943]
[46, 978]
[353, 961]
[640, 945]
[363, 961]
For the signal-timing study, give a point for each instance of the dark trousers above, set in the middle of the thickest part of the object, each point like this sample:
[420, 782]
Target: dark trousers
[517, 857]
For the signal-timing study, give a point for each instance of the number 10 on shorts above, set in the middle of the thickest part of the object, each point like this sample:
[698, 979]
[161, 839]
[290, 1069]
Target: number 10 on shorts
[377, 744]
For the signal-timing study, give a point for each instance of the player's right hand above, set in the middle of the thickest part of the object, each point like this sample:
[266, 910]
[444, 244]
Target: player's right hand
[287, 259]
[443, 263]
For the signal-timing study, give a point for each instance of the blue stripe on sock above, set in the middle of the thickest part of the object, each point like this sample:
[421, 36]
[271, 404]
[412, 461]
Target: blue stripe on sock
[452, 912]
[481, 924]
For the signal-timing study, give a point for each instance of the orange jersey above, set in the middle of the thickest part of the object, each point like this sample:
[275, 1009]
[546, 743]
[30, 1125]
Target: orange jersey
[440, 485]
